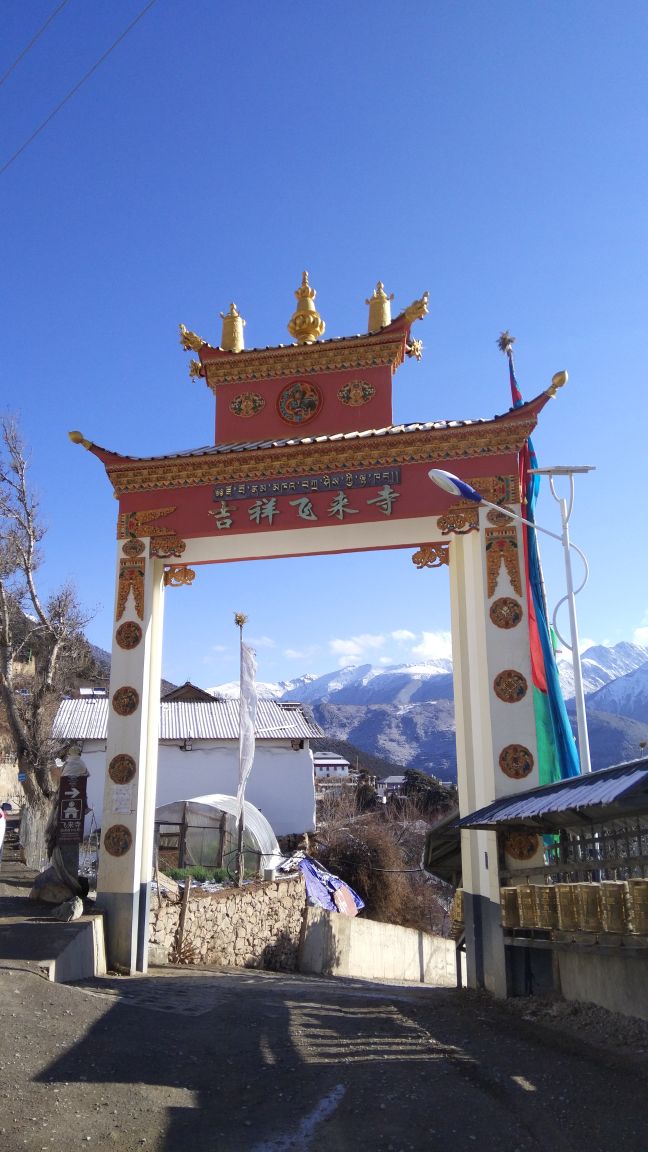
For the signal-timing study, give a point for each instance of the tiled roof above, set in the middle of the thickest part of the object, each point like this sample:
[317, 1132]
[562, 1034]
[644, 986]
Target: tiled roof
[181, 720]
[338, 437]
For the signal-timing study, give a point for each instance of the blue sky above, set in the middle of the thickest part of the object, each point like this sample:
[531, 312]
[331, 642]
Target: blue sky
[493, 154]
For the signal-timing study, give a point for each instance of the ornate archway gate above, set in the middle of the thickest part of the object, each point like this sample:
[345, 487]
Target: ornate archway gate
[308, 462]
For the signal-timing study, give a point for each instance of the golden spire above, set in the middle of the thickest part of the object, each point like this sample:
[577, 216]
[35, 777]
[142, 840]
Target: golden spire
[379, 308]
[306, 324]
[232, 335]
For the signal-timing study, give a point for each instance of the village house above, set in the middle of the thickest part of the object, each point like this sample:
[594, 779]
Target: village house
[199, 753]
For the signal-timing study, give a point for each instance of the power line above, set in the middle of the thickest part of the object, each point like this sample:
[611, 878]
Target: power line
[33, 40]
[74, 90]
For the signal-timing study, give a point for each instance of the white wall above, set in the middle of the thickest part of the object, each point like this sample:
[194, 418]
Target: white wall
[280, 784]
[338, 945]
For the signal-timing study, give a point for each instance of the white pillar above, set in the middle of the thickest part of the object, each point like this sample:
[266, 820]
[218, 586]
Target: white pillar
[126, 855]
[495, 719]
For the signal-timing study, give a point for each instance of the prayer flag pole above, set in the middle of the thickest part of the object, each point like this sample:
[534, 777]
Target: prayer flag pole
[247, 718]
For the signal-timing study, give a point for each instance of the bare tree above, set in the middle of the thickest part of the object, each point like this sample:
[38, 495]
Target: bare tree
[41, 641]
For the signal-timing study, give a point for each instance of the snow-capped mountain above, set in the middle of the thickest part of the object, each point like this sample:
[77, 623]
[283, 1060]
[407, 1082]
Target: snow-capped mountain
[365, 684]
[627, 696]
[265, 689]
[600, 665]
[361, 684]
[405, 714]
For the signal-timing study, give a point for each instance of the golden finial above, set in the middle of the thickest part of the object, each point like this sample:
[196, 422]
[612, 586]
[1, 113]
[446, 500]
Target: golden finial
[379, 308]
[233, 325]
[417, 309]
[306, 324]
[79, 438]
[190, 341]
[240, 619]
[558, 380]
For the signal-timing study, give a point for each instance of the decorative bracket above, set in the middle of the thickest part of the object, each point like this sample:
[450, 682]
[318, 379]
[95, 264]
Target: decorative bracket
[460, 518]
[178, 576]
[432, 556]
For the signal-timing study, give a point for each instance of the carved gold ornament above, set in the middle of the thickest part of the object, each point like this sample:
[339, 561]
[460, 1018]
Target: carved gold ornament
[463, 516]
[497, 489]
[125, 700]
[166, 546]
[414, 348]
[432, 556]
[122, 769]
[178, 576]
[117, 840]
[130, 579]
[505, 612]
[521, 845]
[516, 761]
[460, 519]
[417, 309]
[497, 519]
[356, 393]
[190, 341]
[510, 686]
[142, 523]
[195, 369]
[129, 635]
[306, 324]
[247, 404]
[502, 549]
[134, 548]
[299, 402]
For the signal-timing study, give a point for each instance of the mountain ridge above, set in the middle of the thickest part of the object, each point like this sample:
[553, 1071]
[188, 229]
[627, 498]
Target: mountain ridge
[404, 713]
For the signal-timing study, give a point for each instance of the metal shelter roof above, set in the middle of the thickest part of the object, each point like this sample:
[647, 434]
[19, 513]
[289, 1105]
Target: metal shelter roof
[87, 719]
[609, 794]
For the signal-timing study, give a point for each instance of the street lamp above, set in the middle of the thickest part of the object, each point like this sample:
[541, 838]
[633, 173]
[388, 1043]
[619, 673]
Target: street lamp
[456, 487]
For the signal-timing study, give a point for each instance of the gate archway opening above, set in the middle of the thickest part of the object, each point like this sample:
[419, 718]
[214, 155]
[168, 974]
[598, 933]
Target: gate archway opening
[308, 462]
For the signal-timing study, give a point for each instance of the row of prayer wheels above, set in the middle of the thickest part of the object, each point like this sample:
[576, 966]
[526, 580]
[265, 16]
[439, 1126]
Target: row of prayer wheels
[611, 906]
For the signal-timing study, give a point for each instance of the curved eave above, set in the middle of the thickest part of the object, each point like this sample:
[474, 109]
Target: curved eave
[395, 445]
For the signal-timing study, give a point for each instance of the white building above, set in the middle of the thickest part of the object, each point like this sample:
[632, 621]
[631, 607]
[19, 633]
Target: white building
[199, 754]
[389, 786]
[331, 767]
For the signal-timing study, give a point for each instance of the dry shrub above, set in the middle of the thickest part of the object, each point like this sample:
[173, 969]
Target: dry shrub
[359, 855]
[379, 855]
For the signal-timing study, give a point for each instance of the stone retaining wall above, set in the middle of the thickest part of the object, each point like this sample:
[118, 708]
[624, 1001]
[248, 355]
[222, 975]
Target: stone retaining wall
[257, 926]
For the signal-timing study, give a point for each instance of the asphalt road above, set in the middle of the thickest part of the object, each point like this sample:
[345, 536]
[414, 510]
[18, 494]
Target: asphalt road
[214, 1061]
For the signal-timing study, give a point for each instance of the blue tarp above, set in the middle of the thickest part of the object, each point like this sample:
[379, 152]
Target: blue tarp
[322, 885]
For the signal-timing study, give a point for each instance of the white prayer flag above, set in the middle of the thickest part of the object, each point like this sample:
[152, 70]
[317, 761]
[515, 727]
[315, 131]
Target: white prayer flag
[247, 718]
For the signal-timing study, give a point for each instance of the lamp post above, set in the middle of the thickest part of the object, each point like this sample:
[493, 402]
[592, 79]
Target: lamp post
[456, 487]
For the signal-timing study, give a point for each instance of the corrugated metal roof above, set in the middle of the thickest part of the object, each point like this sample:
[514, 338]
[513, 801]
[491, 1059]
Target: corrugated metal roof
[183, 720]
[607, 794]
